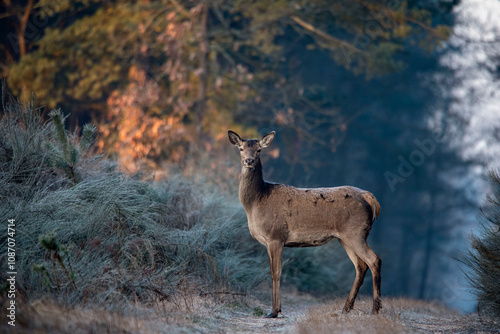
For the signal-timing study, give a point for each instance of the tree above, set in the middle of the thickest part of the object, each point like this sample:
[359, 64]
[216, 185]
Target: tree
[210, 65]
[483, 259]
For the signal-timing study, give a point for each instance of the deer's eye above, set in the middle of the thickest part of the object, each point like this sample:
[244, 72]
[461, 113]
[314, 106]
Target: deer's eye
[258, 151]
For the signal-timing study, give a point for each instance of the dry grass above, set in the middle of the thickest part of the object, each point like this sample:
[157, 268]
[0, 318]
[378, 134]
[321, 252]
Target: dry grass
[398, 316]
[187, 313]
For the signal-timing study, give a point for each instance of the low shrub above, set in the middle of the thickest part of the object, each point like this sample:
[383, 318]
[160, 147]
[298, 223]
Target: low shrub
[87, 232]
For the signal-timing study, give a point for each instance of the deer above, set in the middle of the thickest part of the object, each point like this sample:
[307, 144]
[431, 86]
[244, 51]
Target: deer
[285, 216]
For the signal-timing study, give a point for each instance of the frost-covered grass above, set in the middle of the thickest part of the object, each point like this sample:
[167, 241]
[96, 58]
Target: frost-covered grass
[88, 234]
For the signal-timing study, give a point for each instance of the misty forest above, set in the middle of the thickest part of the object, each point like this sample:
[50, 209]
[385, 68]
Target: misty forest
[119, 187]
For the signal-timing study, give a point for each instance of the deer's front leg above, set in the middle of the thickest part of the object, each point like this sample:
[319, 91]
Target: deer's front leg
[275, 251]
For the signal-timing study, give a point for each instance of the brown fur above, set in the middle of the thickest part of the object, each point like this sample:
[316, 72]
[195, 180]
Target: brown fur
[284, 216]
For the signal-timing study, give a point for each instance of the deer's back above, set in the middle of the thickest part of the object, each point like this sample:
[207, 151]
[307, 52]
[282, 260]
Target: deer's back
[309, 217]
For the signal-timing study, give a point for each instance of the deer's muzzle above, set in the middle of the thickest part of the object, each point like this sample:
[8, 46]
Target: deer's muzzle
[249, 163]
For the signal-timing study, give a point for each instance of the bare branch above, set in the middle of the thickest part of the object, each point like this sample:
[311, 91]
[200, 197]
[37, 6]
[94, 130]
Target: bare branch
[321, 33]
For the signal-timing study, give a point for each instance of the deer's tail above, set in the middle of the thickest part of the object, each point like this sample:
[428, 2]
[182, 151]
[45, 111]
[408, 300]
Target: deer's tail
[370, 199]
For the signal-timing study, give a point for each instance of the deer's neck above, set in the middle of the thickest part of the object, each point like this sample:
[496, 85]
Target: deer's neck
[252, 185]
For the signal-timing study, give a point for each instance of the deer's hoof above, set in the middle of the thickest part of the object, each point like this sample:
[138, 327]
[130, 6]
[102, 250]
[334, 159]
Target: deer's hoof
[377, 305]
[272, 315]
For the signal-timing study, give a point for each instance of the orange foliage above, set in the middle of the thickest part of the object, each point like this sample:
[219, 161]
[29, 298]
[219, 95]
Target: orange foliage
[135, 136]
[151, 122]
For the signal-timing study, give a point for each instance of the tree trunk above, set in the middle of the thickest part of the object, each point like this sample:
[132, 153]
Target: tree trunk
[429, 233]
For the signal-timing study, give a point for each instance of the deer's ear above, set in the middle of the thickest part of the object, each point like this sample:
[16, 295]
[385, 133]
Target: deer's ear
[234, 138]
[267, 140]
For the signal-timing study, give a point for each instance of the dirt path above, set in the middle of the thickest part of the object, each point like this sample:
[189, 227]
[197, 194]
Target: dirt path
[242, 323]
[305, 315]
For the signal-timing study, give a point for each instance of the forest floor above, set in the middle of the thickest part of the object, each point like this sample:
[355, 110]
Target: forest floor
[301, 314]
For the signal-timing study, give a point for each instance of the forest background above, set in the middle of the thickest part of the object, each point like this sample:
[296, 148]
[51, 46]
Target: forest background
[396, 97]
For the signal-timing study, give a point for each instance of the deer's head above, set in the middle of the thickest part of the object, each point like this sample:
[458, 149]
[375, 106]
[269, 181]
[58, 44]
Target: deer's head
[250, 148]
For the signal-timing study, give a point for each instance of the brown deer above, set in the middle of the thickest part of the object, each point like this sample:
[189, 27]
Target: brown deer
[284, 216]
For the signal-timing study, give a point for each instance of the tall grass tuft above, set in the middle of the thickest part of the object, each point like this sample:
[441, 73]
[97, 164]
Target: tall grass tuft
[88, 233]
[484, 258]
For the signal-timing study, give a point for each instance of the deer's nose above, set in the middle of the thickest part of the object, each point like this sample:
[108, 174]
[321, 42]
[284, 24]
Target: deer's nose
[249, 161]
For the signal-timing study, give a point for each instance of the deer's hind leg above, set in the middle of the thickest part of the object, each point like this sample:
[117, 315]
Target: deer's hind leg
[365, 253]
[361, 269]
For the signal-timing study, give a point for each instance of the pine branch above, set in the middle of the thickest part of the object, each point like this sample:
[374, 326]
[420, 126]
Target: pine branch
[88, 136]
[58, 120]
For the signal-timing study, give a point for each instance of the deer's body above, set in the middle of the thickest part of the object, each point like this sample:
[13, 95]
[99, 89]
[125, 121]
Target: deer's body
[284, 216]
